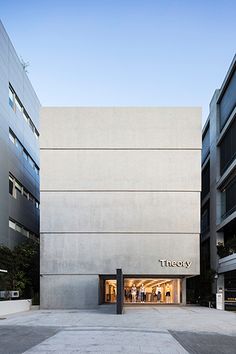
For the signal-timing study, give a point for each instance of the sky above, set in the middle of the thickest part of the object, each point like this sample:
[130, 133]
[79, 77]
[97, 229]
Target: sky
[123, 52]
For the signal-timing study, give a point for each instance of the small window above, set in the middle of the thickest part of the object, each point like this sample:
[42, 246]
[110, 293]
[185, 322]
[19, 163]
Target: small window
[10, 185]
[36, 133]
[18, 228]
[12, 225]
[18, 187]
[25, 194]
[31, 125]
[18, 103]
[11, 98]
[25, 232]
[25, 115]
[31, 198]
[11, 137]
[36, 204]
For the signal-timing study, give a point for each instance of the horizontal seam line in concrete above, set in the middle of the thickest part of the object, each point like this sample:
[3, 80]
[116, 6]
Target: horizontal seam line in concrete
[117, 190]
[125, 149]
[119, 232]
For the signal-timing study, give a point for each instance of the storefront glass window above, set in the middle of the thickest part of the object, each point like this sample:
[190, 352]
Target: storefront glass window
[145, 290]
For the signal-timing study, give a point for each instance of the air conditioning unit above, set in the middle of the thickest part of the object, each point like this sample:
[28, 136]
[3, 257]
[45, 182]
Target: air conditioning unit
[15, 293]
[9, 294]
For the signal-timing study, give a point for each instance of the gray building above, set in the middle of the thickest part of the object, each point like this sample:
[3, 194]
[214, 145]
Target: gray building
[120, 188]
[218, 231]
[19, 149]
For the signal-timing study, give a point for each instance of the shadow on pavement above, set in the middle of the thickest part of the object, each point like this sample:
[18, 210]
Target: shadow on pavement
[206, 343]
[18, 339]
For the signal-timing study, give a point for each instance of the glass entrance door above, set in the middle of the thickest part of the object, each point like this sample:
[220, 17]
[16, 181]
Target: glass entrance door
[110, 291]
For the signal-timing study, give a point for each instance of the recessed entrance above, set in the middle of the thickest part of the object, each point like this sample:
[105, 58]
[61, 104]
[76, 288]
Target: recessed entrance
[145, 291]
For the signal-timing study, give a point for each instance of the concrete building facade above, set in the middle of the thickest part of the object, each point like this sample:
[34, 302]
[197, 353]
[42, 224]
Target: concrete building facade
[120, 188]
[218, 231]
[19, 149]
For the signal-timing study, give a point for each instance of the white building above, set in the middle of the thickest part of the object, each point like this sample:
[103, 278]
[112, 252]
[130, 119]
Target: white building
[120, 188]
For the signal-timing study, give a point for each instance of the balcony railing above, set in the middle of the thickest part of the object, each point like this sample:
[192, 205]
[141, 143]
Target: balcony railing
[228, 213]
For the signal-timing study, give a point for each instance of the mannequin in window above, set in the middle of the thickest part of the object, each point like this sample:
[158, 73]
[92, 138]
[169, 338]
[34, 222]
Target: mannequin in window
[142, 293]
[133, 293]
[158, 293]
[168, 294]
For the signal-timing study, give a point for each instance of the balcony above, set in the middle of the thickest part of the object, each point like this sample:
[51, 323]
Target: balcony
[227, 263]
[228, 199]
[228, 213]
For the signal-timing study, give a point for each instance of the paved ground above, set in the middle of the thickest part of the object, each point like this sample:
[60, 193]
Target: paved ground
[109, 341]
[206, 343]
[153, 329]
[17, 339]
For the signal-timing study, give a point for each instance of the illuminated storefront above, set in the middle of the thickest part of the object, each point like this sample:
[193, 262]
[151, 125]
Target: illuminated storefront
[144, 291]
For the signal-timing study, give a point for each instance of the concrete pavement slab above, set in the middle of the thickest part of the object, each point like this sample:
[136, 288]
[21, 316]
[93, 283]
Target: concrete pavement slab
[17, 339]
[103, 341]
[159, 329]
[176, 318]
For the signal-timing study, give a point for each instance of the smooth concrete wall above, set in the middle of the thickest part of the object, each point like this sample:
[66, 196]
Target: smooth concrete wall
[120, 170]
[120, 189]
[69, 291]
[134, 253]
[122, 127]
[174, 212]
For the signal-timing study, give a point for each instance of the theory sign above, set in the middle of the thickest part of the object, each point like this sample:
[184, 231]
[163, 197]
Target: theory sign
[169, 263]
